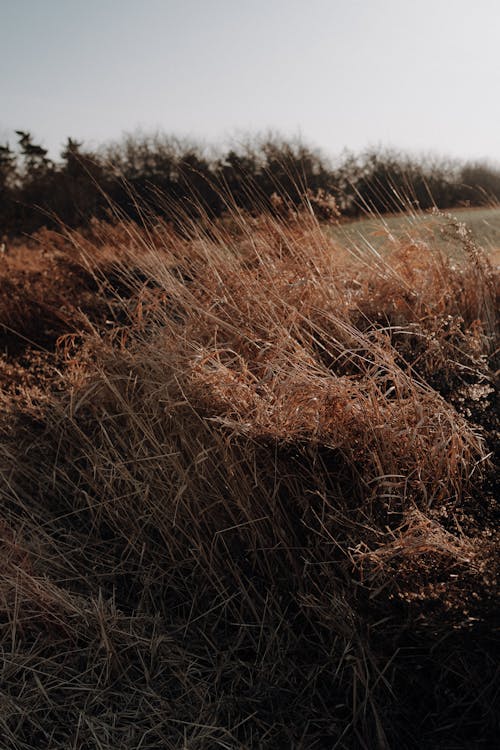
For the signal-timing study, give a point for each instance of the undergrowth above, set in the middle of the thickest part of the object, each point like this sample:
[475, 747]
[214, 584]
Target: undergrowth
[254, 505]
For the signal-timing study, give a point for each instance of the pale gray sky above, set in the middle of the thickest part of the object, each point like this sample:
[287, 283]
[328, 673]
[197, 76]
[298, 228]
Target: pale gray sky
[422, 75]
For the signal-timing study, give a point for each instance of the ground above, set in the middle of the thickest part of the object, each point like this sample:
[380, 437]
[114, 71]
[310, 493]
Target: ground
[248, 487]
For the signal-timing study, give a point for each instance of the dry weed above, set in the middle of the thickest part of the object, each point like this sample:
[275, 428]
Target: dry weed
[246, 517]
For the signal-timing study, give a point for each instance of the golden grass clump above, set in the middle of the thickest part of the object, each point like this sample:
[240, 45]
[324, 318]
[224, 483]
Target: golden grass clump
[256, 511]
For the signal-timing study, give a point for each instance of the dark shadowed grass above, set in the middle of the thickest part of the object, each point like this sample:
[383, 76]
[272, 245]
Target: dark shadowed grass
[258, 509]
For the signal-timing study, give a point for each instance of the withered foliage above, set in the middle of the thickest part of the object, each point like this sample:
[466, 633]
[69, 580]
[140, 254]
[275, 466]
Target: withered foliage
[247, 491]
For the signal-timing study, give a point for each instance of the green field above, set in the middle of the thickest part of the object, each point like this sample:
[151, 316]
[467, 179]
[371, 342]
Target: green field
[383, 232]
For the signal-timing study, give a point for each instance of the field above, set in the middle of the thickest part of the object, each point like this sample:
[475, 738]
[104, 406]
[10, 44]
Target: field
[378, 232]
[248, 485]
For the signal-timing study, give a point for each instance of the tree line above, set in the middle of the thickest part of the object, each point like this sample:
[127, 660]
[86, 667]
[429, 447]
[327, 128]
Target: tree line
[175, 179]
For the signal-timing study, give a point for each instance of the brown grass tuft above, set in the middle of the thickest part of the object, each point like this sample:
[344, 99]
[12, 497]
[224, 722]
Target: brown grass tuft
[255, 507]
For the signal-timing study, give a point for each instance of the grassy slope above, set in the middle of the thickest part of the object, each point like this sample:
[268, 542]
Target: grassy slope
[484, 224]
[250, 502]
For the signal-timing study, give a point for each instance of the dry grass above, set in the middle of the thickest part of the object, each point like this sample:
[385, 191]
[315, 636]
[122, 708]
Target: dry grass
[255, 506]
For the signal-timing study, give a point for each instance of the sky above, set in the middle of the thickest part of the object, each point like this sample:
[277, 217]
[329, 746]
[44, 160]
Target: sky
[421, 76]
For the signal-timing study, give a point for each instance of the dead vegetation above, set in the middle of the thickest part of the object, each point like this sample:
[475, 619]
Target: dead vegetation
[251, 503]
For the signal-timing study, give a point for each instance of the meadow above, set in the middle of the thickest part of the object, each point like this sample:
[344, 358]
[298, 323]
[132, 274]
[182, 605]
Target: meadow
[377, 232]
[248, 484]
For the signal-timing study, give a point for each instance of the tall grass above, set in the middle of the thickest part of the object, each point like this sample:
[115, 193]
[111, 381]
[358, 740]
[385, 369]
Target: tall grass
[257, 510]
